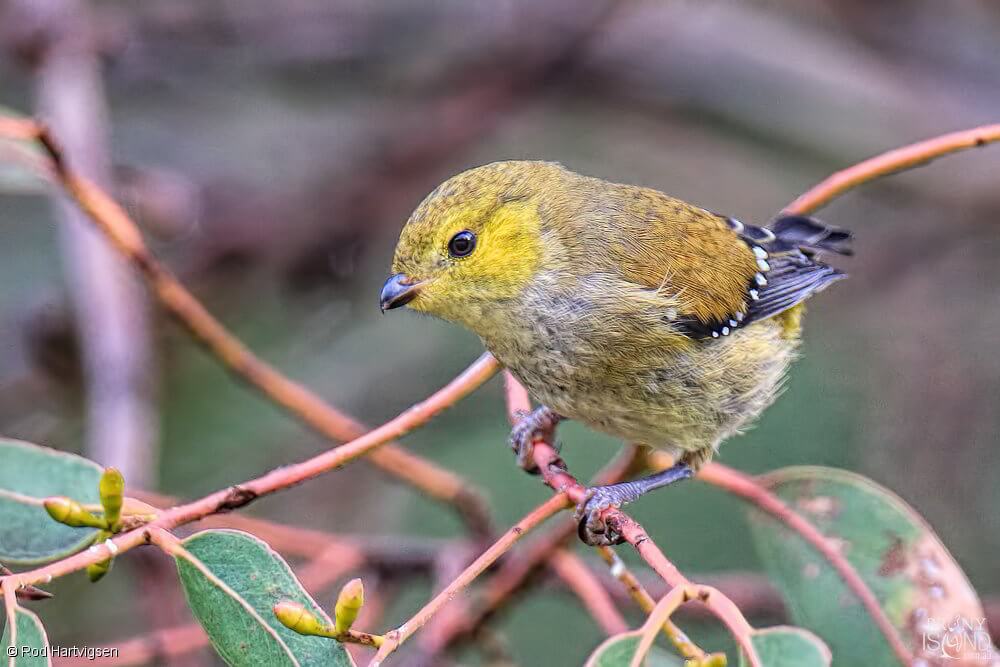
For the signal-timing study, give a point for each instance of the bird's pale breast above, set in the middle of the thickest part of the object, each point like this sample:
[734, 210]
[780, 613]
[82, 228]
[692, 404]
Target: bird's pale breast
[617, 364]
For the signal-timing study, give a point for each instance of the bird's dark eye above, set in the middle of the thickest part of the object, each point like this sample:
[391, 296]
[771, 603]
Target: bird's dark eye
[462, 244]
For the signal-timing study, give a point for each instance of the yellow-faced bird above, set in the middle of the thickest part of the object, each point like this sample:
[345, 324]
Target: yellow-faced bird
[640, 315]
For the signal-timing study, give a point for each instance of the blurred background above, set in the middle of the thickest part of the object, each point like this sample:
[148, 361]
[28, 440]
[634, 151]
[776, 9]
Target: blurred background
[272, 151]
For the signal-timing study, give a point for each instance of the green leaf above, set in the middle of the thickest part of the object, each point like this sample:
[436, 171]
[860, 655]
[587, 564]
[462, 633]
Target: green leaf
[916, 581]
[20, 162]
[233, 597]
[617, 651]
[30, 643]
[785, 646]
[29, 474]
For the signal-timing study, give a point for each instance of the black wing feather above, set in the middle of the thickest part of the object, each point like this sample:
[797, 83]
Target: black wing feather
[790, 271]
[793, 272]
[793, 278]
[803, 232]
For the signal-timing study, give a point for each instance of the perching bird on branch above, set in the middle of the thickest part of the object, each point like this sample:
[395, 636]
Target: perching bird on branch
[638, 314]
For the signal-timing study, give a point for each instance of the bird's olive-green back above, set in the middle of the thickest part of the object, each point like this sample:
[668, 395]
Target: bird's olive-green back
[534, 216]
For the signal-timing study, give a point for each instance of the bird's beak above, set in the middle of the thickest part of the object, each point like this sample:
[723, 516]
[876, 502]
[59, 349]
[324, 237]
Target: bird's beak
[398, 291]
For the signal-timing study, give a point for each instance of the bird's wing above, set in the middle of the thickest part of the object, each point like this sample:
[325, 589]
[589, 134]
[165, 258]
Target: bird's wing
[725, 274]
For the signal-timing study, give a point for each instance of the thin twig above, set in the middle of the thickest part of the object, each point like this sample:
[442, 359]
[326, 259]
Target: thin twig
[326, 567]
[458, 624]
[687, 648]
[18, 129]
[27, 592]
[595, 598]
[394, 638]
[124, 235]
[9, 588]
[891, 162]
[660, 615]
[751, 490]
[555, 475]
[239, 495]
[391, 553]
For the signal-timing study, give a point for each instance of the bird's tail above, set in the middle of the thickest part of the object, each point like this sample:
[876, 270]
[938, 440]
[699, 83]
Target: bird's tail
[803, 232]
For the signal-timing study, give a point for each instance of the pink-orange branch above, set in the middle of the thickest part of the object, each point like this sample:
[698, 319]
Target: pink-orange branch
[555, 475]
[749, 489]
[595, 597]
[460, 623]
[394, 638]
[891, 162]
[123, 234]
[276, 480]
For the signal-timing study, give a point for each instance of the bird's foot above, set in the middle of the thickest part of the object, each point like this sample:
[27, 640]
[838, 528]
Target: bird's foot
[540, 422]
[592, 527]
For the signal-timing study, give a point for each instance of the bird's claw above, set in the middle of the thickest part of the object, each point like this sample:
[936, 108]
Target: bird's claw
[529, 425]
[522, 438]
[592, 527]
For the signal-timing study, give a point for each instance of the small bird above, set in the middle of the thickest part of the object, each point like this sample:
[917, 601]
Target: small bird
[640, 315]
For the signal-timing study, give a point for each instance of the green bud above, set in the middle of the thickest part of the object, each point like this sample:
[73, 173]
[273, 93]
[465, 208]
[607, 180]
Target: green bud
[295, 616]
[112, 490]
[349, 603]
[71, 513]
[96, 571]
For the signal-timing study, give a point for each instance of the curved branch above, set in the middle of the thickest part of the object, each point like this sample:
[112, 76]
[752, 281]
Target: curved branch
[242, 494]
[558, 478]
[891, 162]
[569, 567]
[687, 648]
[659, 616]
[513, 576]
[123, 234]
[749, 489]
[394, 638]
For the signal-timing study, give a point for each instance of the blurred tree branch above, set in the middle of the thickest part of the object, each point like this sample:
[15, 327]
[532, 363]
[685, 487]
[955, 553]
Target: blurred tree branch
[581, 580]
[110, 219]
[111, 313]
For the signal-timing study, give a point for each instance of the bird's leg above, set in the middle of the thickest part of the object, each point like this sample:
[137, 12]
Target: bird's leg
[592, 528]
[539, 422]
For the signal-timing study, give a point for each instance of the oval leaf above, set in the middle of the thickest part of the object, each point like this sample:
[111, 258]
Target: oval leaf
[617, 651]
[30, 645]
[785, 646]
[917, 582]
[233, 598]
[29, 474]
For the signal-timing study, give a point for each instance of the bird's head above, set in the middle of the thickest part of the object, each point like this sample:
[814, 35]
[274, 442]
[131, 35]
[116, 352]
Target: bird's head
[473, 243]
